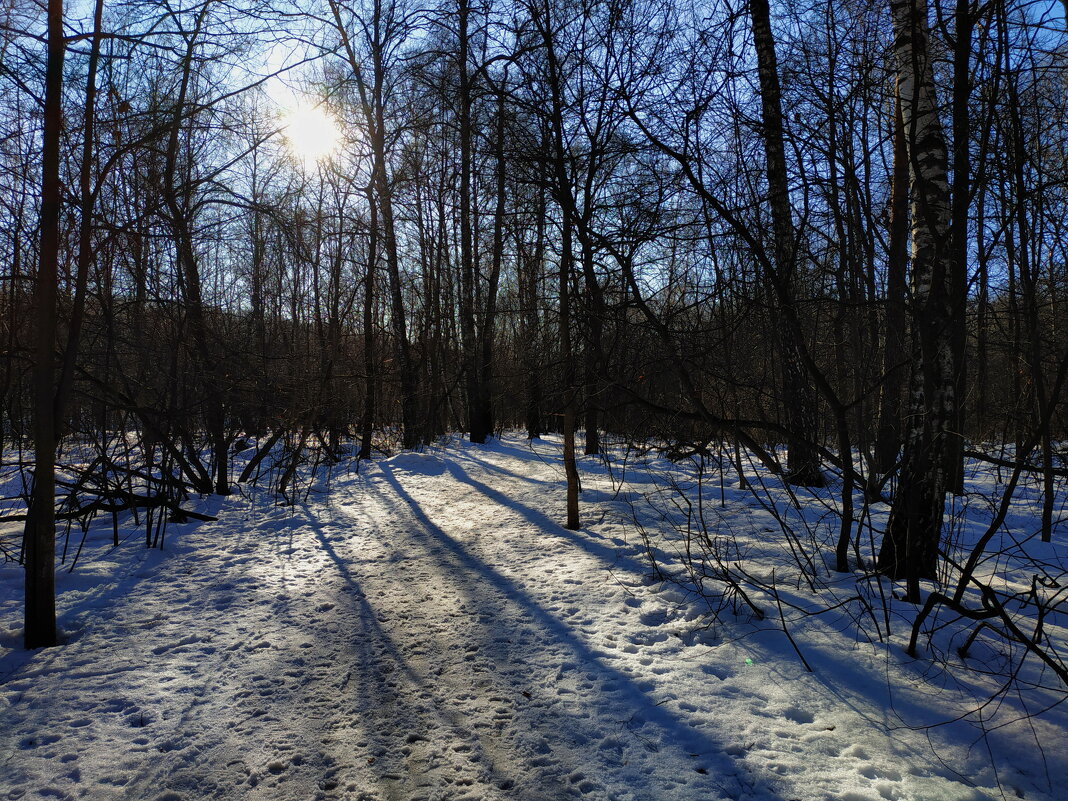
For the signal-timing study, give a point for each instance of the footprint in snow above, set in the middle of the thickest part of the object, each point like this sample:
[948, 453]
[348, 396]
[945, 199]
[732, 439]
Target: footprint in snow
[26, 743]
[648, 638]
[720, 673]
[872, 772]
[798, 715]
[654, 617]
[139, 719]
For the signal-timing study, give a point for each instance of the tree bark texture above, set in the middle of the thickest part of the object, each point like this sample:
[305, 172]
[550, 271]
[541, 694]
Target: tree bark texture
[566, 201]
[888, 441]
[40, 536]
[799, 398]
[958, 265]
[910, 546]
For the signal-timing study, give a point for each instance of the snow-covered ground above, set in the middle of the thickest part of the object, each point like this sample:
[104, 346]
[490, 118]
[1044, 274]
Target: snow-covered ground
[428, 630]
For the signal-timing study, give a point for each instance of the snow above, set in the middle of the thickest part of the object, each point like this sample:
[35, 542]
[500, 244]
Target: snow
[427, 629]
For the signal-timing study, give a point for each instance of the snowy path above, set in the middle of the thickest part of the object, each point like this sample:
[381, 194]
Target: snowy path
[417, 635]
[426, 631]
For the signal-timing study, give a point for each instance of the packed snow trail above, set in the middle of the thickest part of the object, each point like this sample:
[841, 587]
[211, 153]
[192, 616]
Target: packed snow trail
[424, 631]
[414, 634]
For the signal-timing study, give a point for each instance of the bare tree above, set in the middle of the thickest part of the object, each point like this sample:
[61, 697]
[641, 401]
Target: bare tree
[40, 618]
[383, 32]
[910, 547]
[803, 463]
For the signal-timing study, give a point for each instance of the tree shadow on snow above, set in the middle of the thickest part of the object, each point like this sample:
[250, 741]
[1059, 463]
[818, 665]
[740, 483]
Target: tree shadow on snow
[606, 552]
[610, 693]
[391, 698]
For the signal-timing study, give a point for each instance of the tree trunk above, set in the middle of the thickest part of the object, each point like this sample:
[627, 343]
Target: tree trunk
[958, 263]
[888, 443]
[40, 536]
[477, 430]
[85, 226]
[371, 99]
[530, 262]
[1029, 269]
[566, 201]
[594, 317]
[489, 321]
[181, 213]
[411, 429]
[799, 399]
[910, 546]
[367, 419]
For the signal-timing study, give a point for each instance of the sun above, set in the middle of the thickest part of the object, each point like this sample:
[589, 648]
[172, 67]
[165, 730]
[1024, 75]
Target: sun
[311, 133]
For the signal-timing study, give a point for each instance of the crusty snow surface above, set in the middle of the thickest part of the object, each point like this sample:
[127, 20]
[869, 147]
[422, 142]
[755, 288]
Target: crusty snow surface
[427, 629]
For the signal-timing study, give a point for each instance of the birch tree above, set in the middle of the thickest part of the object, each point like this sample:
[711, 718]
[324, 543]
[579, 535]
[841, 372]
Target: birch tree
[910, 546]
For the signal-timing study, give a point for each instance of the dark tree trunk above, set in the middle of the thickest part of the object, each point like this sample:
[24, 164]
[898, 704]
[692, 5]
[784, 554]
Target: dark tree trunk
[1029, 270]
[477, 422]
[180, 211]
[484, 407]
[593, 367]
[888, 443]
[85, 226]
[40, 536]
[566, 201]
[594, 356]
[530, 326]
[372, 102]
[411, 429]
[367, 419]
[958, 264]
[799, 398]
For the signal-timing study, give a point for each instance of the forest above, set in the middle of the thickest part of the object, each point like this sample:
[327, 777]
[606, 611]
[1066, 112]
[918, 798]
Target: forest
[811, 251]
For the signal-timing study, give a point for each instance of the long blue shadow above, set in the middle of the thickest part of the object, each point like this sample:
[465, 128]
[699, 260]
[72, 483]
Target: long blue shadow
[608, 554]
[379, 687]
[677, 732]
[477, 455]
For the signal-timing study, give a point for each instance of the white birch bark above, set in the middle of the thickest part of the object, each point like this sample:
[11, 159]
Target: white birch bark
[910, 547]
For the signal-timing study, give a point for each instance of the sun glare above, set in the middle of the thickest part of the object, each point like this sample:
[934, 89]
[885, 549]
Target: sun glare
[311, 133]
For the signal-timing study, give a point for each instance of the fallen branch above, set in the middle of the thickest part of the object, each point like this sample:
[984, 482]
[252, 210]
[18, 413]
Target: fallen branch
[126, 502]
[1024, 466]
